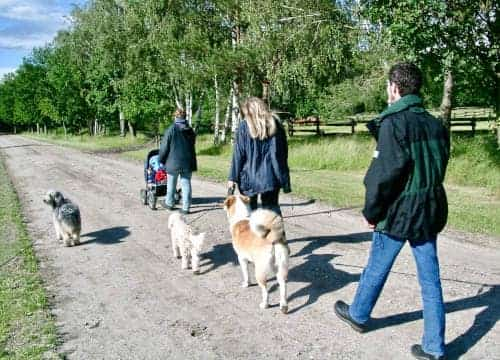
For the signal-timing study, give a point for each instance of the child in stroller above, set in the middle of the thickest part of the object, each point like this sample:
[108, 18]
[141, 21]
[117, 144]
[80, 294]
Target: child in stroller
[155, 177]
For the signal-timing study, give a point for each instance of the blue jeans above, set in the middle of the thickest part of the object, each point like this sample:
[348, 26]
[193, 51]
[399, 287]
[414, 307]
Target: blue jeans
[383, 252]
[185, 188]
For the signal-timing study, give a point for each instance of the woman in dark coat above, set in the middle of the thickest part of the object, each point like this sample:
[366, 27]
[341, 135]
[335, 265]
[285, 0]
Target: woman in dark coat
[260, 156]
[177, 152]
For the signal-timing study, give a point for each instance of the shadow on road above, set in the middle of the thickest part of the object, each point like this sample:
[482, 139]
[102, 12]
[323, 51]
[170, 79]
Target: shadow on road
[220, 255]
[109, 236]
[484, 321]
[321, 276]
[303, 203]
[316, 242]
[207, 200]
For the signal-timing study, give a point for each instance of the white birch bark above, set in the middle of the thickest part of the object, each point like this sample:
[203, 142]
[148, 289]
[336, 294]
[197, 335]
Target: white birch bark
[217, 112]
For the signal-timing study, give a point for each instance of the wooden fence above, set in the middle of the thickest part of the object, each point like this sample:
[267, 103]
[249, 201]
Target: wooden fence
[461, 117]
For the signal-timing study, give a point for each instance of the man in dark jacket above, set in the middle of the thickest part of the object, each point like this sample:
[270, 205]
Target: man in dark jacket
[177, 152]
[405, 200]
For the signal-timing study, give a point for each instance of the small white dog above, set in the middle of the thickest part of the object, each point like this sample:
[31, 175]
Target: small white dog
[185, 244]
[66, 217]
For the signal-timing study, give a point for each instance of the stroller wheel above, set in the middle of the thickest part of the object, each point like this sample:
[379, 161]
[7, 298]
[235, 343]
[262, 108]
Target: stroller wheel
[144, 196]
[177, 196]
[152, 200]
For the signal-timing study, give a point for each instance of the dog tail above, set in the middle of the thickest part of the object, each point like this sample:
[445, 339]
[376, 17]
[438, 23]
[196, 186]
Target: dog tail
[173, 219]
[268, 224]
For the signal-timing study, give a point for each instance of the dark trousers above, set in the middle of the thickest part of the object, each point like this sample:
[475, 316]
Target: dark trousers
[268, 199]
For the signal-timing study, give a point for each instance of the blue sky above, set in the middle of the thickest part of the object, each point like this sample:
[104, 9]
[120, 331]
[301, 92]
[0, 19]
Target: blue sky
[25, 24]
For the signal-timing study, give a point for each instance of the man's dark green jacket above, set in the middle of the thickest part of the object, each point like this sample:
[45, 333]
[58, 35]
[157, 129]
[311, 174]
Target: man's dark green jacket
[405, 196]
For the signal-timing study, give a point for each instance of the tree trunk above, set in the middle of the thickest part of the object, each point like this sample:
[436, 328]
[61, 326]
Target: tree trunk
[131, 129]
[37, 128]
[178, 102]
[15, 130]
[45, 129]
[122, 123]
[189, 108]
[217, 112]
[446, 103]
[265, 92]
[497, 104]
[227, 117]
[235, 113]
[65, 130]
[197, 113]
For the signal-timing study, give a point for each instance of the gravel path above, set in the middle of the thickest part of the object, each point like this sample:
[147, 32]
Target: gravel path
[121, 295]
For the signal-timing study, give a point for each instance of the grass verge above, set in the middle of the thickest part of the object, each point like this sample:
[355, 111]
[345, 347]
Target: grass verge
[27, 330]
[94, 143]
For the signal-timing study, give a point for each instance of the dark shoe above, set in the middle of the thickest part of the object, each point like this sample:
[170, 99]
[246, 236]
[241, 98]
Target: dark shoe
[342, 311]
[419, 353]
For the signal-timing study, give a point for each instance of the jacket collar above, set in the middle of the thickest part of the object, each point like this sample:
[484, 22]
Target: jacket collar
[406, 102]
[180, 122]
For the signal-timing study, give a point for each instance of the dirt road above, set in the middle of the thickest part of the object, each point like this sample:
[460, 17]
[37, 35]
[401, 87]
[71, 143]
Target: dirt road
[121, 295]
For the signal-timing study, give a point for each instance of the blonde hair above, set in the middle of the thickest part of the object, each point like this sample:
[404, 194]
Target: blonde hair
[261, 122]
[180, 113]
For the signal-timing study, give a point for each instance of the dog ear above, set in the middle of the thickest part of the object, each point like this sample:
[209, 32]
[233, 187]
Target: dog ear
[229, 201]
[245, 199]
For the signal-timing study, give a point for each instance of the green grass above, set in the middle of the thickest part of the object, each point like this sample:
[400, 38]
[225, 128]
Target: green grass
[331, 169]
[27, 330]
[93, 143]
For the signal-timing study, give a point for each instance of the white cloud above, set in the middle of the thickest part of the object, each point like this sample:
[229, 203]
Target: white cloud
[26, 24]
[27, 41]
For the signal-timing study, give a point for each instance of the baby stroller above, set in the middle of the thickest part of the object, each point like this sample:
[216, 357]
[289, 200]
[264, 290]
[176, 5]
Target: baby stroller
[155, 177]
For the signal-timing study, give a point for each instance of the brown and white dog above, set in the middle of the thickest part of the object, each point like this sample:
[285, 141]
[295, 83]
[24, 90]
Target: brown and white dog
[259, 237]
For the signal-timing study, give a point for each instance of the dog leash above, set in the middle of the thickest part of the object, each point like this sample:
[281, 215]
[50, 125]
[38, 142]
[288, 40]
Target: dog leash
[230, 191]
[196, 218]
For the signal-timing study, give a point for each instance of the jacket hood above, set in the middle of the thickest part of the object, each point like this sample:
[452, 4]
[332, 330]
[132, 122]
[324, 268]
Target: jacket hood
[181, 123]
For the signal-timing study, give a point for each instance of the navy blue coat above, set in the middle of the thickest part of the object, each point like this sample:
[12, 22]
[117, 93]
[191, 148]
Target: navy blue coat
[177, 149]
[260, 166]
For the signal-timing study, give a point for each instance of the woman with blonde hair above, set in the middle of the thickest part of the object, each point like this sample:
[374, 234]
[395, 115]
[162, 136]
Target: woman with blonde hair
[260, 157]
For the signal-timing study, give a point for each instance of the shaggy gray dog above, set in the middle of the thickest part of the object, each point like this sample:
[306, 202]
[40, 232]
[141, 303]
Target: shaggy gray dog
[66, 217]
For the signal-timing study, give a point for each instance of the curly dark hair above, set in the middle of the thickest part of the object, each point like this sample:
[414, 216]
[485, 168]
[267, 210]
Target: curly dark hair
[407, 77]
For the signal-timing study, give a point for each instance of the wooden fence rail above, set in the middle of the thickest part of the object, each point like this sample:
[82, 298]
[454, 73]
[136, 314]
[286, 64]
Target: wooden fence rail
[468, 117]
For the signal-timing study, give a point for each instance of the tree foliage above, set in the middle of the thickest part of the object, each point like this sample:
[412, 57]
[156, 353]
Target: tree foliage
[127, 61]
